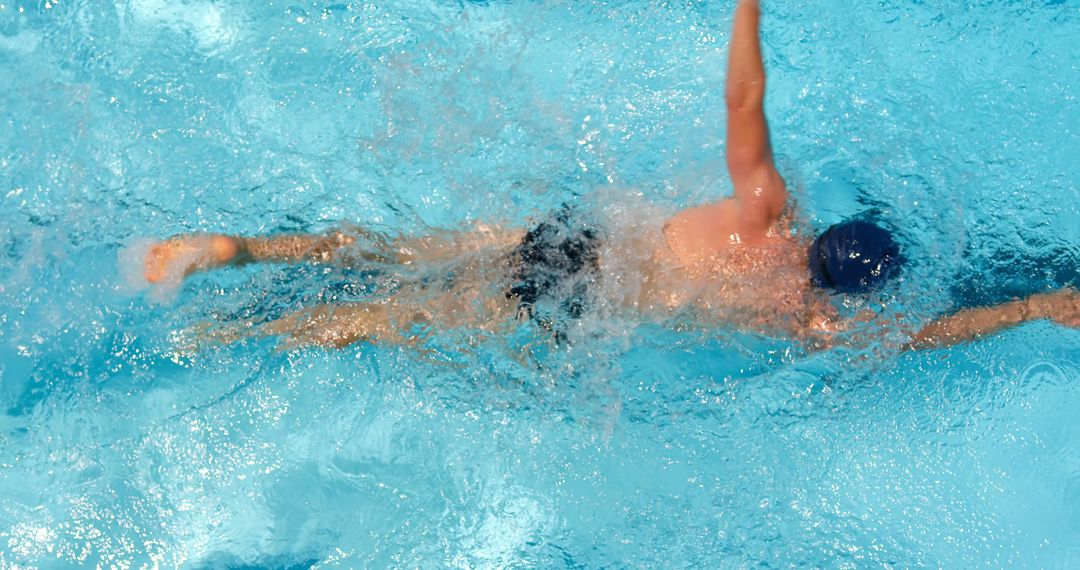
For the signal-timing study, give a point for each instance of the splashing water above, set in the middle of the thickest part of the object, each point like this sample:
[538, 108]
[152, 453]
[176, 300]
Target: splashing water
[675, 444]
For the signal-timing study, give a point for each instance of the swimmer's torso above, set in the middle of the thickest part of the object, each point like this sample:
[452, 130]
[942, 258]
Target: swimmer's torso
[764, 285]
[761, 283]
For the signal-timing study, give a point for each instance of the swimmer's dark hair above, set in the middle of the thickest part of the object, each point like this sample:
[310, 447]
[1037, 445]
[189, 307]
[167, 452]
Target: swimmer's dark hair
[855, 256]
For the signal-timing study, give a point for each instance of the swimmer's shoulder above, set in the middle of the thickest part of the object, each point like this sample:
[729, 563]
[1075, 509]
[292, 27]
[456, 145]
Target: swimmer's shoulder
[701, 234]
[696, 234]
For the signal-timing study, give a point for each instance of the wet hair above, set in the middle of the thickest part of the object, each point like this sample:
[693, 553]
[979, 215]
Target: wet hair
[855, 256]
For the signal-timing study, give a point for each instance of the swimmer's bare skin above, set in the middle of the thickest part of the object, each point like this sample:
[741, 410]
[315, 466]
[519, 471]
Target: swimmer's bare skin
[198, 253]
[1062, 307]
[474, 255]
[736, 259]
[749, 219]
[191, 253]
[748, 234]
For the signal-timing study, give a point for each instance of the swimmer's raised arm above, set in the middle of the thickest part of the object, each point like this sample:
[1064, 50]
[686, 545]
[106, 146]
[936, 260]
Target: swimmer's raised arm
[759, 189]
[696, 233]
[1061, 306]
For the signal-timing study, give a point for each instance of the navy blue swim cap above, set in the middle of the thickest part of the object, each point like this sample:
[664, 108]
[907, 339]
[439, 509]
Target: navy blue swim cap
[853, 257]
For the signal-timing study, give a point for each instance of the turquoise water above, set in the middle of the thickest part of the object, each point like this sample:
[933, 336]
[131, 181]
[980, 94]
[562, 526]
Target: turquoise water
[639, 445]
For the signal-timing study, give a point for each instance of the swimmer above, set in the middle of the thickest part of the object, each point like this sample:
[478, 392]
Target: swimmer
[737, 259]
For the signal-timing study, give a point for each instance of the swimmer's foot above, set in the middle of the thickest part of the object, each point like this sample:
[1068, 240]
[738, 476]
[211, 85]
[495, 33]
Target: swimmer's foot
[180, 256]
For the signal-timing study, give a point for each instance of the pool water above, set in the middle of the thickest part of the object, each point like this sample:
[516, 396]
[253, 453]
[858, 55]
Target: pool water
[640, 444]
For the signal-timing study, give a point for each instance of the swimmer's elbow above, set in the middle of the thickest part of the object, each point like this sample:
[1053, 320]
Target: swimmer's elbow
[744, 160]
[757, 215]
[761, 197]
[745, 96]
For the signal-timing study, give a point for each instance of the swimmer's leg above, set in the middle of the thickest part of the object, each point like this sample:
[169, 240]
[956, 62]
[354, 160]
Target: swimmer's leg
[328, 248]
[355, 243]
[443, 245]
[180, 256]
[404, 318]
[337, 326]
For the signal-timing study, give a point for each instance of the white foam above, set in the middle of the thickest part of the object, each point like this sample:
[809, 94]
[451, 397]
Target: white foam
[212, 28]
[131, 261]
[23, 43]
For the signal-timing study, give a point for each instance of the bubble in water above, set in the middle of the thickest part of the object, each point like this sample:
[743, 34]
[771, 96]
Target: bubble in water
[1043, 372]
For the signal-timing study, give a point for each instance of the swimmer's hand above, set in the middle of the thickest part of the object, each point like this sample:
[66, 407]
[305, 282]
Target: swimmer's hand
[1061, 306]
[180, 256]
